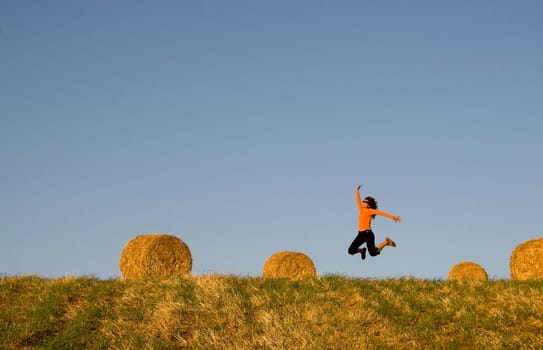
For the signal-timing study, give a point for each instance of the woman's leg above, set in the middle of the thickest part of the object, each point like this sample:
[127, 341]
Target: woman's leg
[357, 242]
[370, 243]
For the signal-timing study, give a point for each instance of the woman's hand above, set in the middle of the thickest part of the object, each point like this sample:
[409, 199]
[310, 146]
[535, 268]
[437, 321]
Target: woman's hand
[358, 188]
[397, 218]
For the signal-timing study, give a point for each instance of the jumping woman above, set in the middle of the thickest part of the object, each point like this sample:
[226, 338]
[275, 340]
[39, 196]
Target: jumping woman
[368, 210]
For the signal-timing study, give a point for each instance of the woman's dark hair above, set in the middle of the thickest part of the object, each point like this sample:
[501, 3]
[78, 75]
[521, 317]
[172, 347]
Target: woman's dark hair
[372, 203]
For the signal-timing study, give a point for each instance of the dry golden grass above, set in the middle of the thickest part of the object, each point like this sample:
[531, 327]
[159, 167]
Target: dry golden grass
[287, 264]
[467, 270]
[230, 312]
[155, 256]
[526, 262]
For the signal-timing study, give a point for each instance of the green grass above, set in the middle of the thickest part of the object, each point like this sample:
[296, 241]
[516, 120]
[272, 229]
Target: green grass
[231, 312]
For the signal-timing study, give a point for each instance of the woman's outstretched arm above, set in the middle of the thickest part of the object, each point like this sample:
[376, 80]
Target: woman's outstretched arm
[387, 215]
[358, 201]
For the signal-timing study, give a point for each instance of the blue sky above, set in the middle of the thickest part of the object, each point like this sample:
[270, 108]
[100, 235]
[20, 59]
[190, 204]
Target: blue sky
[244, 127]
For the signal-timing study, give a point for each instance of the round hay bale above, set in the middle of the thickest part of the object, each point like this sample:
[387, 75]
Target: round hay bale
[467, 270]
[288, 264]
[526, 262]
[155, 256]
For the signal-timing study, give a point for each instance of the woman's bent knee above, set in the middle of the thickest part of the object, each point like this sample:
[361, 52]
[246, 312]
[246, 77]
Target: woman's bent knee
[374, 252]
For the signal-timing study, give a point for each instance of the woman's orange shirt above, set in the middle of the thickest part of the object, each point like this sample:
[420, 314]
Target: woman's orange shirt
[366, 215]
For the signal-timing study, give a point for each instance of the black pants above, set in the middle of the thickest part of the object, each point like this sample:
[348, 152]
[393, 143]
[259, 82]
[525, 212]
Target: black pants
[364, 237]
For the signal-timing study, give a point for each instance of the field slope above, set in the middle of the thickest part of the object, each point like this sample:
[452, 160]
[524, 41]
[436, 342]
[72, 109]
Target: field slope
[231, 312]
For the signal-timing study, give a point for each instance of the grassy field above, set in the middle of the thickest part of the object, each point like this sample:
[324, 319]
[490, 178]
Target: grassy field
[230, 312]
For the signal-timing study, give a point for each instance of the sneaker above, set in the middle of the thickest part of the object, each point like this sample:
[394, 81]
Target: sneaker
[390, 242]
[363, 253]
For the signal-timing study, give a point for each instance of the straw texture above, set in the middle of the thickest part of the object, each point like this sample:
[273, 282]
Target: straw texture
[526, 262]
[287, 264]
[467, 270]
[155, 256]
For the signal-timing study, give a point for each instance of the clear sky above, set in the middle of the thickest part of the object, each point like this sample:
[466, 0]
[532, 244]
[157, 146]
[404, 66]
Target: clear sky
[244, 127]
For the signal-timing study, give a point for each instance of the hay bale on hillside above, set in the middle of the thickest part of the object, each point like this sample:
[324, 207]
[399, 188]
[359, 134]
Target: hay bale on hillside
[155, 256]
[526, 262]
[288, 264]
[467, 270]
